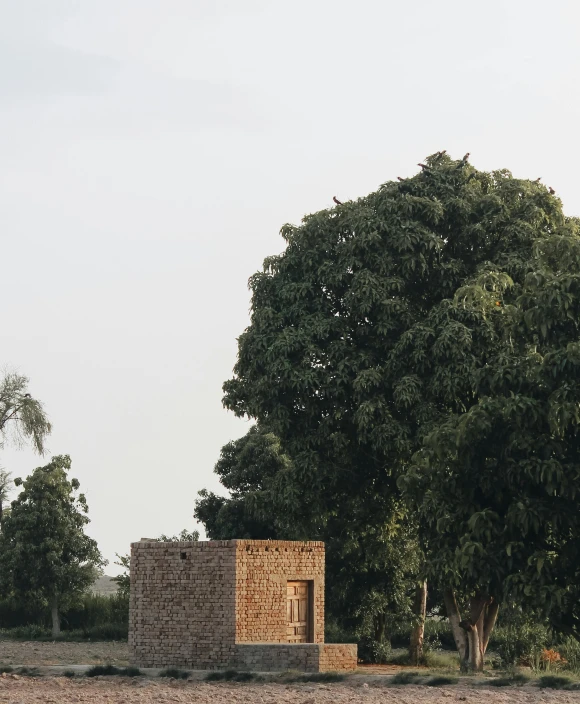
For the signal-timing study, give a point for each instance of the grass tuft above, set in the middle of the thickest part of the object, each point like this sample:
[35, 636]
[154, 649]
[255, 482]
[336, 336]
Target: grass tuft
[508, 681]
[322, 677]
[405, 678]
[174, 673]
[104, 670]
[554, 682]
[232, 676]
[68, 673]
[27, 671]
[440, 681]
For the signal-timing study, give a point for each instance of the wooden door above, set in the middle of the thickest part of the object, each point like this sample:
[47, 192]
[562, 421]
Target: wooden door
[297, 611]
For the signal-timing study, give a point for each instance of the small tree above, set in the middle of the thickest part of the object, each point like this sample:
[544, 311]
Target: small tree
[45, 556]
[22, 418]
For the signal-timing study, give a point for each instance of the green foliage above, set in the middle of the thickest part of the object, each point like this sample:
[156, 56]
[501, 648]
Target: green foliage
[186, 536]
[246, 468]
[440, 681]
[22, 418]
[123, 580]
[405, 677]
[555, 682]
[375, 652]
[45, 556]
[91, 617]
[368, 572]
[508, 681]
[570, 650]
[496, 486]
[392, 350]
[521, 644]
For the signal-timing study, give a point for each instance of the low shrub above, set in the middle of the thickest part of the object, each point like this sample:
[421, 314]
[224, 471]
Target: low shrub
[174, 673]
[321, 677]
[440, 681]
[95, 616]
[554, 682]
[231, 676]
[374, 652]
[521, 644]
[570, 650]
[507, 681]
[104, 670]
[405, 678]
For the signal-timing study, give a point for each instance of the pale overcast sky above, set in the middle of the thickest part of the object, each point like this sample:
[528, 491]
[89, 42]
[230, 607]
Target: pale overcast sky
[150, 151]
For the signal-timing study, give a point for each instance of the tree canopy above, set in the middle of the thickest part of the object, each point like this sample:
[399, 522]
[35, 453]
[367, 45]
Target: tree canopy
[378, 333]
[370, 563]
[22, 417]
[498, 486]
[45, 556]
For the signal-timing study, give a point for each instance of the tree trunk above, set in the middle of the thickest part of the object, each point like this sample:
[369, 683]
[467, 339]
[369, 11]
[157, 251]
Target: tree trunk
[418, 632]
[459, 634]
[489, 623]
[472, 635]
[55, 617]
[379, 628]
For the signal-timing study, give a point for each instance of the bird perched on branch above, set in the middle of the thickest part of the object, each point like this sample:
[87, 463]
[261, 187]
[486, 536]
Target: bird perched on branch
[400, 178]
[466, 157]
[538, 180]
[423, 166]
[335, 199]
[552, 191]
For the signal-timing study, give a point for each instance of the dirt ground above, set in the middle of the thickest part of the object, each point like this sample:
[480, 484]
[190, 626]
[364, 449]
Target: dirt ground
[35, 653]
[15, 689]
[60, 690]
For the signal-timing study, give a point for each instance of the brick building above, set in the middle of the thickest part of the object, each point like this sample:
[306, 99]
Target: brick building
[247, 604]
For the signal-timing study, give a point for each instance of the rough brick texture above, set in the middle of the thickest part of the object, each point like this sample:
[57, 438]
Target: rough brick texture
[216, 604]
[263, 567]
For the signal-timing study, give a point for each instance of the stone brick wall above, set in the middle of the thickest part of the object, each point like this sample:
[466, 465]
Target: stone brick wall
[217, 604]
[305, 657]
[337, 656]
[182, 611]
[263, 567]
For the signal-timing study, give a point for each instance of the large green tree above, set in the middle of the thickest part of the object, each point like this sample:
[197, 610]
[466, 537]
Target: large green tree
[498, 487]
[359, 346]
[45, 556]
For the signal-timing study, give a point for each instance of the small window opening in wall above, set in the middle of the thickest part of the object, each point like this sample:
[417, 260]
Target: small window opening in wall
[183, 556]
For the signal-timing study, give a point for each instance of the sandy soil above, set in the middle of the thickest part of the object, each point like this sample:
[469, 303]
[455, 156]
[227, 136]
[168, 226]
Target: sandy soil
[35, 653]
[60, 690]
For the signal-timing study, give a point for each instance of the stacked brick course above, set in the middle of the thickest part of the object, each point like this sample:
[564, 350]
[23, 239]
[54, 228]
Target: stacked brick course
[263, 567]
[216, 604]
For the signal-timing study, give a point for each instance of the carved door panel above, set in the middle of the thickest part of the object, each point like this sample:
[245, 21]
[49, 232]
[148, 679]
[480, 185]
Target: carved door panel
[298, 612]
